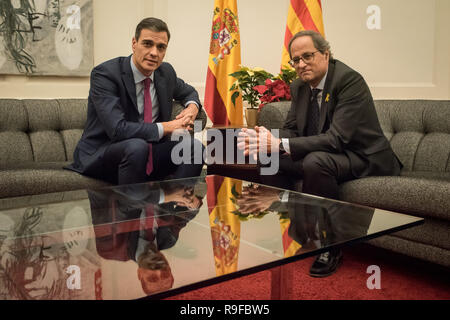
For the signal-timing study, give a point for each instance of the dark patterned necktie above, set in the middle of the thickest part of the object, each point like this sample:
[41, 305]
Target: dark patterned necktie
[313, 114]
[148, 118]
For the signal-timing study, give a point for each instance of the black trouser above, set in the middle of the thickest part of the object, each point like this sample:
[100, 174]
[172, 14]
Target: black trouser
[320, 172]
[125, 161]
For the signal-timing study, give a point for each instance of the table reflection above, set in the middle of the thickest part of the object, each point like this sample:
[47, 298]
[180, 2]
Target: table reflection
[31, 267]
[147, 218]
[308, 222]
[83, 249]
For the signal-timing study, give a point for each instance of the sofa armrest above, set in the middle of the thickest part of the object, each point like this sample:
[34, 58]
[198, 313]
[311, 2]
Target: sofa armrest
[273, 115]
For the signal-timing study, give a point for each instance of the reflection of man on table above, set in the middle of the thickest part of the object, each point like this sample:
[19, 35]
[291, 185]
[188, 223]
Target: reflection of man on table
[315, 223]
[331, 133]
[147, 219]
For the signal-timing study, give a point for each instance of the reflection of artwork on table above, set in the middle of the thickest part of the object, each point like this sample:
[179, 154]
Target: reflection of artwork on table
[46, 37]
[38, 261]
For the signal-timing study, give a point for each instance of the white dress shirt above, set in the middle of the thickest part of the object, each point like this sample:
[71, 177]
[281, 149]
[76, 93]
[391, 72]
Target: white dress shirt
[138, 81]
[320, 86]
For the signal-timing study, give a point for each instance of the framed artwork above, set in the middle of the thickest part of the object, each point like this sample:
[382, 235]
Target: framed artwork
[46, 37]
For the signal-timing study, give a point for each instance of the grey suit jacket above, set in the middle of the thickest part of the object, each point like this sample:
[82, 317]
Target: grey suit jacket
[348, 123]
[113, 115]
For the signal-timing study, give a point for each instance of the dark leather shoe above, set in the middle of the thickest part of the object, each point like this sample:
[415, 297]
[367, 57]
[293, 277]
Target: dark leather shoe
[326, 264]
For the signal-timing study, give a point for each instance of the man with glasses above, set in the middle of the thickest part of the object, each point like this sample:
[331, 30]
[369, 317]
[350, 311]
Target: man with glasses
[331, 133]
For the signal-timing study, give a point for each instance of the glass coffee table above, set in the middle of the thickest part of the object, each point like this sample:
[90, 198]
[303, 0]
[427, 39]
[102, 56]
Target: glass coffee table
[158, 239]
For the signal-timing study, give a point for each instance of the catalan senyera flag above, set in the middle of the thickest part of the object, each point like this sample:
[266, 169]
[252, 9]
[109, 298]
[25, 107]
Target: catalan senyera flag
[224, 58]
[225, 226]
[290, 246]
[302, 15]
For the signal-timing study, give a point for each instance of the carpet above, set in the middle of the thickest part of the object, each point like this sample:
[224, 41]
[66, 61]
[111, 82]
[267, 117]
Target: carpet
[402, 278]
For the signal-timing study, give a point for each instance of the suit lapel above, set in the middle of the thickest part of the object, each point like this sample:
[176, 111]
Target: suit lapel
[128, 80]
[324, 105]
[161, 92]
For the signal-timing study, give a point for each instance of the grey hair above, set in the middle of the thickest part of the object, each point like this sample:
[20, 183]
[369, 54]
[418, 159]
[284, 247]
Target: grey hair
[319, 42]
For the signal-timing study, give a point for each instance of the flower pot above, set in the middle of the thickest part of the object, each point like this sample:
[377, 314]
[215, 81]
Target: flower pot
[251, 115]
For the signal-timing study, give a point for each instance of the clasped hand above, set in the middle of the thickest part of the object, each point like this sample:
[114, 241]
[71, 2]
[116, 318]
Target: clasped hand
[256, 198]
[183, 121]
[254, 140]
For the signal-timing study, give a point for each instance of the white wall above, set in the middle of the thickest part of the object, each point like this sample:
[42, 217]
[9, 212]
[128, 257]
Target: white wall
[407, 59]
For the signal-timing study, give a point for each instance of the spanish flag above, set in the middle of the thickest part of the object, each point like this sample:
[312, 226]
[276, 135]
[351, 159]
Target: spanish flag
[224, 58]
[225, 226]
[302, 15]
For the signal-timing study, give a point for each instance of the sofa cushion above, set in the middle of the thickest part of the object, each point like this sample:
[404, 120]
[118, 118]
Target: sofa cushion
[419, 132]
[14, 116]
[417, 196]
[415, 249]
[15, 143]
[73, 113]
[42, 114]
[43, 178]
[70, 139]
[445, 176]
[434, 232]
[45, 198]
[14, 146]
[47, 146]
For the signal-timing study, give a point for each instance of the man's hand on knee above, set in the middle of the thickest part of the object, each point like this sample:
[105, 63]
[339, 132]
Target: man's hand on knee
[181, 123]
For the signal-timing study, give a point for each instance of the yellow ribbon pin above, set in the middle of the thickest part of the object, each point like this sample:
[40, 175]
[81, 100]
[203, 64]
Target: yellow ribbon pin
[327, 98]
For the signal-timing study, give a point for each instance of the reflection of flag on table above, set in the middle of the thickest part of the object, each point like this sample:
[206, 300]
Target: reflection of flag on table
[290, 246]
[224, 58]
[225, 226]
[302, 15]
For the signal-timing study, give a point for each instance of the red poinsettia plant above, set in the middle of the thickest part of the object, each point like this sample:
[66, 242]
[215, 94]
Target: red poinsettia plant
[259, 87]
[273, 90]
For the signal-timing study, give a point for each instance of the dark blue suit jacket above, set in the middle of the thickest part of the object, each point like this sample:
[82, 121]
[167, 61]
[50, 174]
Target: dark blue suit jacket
[113, 115]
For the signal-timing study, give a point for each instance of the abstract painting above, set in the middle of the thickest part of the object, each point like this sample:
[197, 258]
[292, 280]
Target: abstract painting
[46, 37]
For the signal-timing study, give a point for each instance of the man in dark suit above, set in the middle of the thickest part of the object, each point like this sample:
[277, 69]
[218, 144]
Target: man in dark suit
[136, 222]
[331, 133]
[126, 138]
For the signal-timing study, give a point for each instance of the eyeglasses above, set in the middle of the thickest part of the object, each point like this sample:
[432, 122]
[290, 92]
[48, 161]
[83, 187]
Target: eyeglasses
[306, 57]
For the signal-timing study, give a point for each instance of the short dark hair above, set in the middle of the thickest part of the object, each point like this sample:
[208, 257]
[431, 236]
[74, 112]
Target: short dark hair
[153, 24]
[319, 42]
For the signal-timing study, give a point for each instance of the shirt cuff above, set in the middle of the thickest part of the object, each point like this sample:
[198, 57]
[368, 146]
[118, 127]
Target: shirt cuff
[189, 102]
[285, 142]
[160, 130]
[284, 196]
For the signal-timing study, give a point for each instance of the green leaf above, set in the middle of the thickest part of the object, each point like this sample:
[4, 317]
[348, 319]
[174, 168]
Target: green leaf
[234, 192]
[234, 97]
[238, 74]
